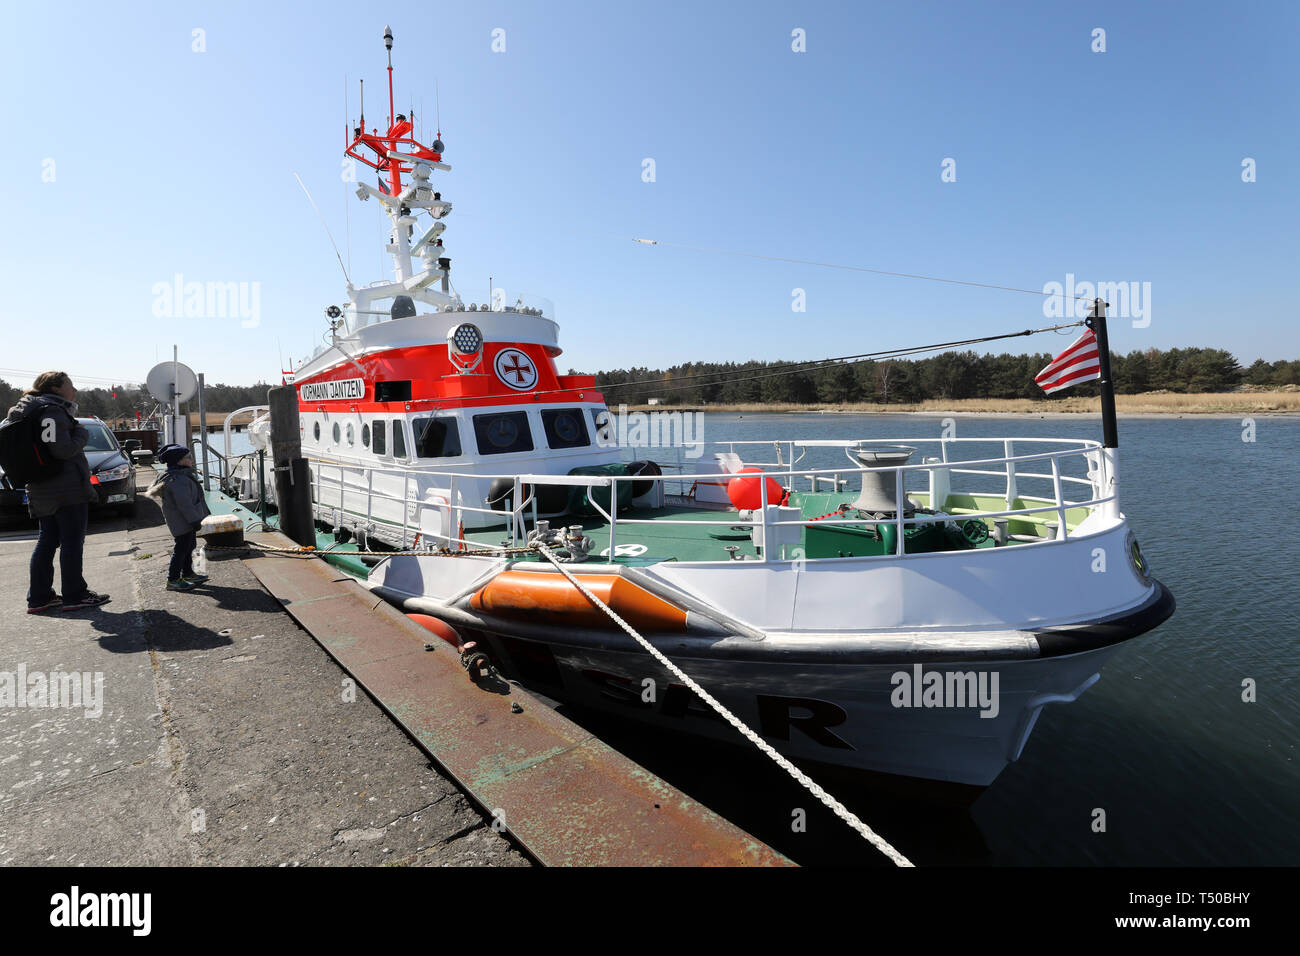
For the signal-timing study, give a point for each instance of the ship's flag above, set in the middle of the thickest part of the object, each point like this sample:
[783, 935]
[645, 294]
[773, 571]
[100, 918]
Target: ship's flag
[1079, 363]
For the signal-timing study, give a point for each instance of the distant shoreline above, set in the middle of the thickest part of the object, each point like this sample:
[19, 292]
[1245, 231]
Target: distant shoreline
[1150, 405]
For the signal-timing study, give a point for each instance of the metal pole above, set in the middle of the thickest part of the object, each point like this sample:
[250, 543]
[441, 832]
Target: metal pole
[1097, 322]
[203, 434]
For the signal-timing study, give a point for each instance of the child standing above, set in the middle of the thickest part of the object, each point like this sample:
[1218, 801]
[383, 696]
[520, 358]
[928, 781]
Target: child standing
[184, 507]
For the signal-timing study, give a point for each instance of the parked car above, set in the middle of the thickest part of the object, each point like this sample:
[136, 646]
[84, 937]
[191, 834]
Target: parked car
[111, 470]
[13, 502]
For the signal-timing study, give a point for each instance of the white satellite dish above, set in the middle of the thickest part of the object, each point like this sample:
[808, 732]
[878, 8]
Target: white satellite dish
[164, 375]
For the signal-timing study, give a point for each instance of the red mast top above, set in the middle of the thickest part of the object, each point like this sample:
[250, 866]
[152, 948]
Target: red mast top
[380, 146]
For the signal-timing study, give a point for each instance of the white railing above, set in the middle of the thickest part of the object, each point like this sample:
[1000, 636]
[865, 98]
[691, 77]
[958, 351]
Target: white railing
[522, 502]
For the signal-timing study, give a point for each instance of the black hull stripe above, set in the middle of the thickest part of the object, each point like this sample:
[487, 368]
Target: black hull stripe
[1091, 635]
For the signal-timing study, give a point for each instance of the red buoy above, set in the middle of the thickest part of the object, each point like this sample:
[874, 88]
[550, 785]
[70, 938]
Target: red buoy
[746, 494]
[439, 627]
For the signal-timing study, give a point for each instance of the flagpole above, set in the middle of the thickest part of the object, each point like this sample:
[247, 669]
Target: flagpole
[1110, 434]
[1097, 322]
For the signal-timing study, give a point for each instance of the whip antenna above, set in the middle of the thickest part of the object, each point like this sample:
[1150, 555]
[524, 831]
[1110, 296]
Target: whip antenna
[327, 228]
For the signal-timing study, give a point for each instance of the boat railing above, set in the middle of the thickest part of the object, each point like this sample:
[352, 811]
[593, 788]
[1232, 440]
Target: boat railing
[521, 504]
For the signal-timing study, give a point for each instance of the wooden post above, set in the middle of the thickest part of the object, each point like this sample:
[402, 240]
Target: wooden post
[292, 478]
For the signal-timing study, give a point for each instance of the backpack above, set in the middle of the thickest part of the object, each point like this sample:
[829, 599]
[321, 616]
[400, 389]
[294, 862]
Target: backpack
[23, 457]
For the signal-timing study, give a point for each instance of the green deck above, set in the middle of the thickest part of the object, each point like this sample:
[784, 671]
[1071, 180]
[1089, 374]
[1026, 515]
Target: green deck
[710, 531]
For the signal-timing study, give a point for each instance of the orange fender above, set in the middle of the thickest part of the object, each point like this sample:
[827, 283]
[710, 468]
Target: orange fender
[439, 627]
[551, 599]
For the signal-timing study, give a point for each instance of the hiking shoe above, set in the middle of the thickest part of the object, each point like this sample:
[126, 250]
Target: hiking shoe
[180, 584]
[49, 605]
[89, 599]
[194, 578]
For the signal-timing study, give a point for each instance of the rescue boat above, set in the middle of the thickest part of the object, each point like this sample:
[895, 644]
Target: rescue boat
[902, 607]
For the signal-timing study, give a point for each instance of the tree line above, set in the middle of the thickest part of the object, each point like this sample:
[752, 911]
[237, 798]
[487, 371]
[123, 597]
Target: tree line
[123, 401]
[949, 375]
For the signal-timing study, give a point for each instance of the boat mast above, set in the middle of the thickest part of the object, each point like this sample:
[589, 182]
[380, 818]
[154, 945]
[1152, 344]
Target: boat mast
[390, 154]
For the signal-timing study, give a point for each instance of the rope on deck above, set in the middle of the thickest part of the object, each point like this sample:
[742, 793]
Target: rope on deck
[841, 811]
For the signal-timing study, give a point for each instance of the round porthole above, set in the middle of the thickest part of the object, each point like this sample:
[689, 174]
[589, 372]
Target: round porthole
[336, 433]
[316, 432]
[365, 436]
[351, 436]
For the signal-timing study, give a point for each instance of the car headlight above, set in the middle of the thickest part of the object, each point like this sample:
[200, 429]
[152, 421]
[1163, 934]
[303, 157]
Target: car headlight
[114, 474]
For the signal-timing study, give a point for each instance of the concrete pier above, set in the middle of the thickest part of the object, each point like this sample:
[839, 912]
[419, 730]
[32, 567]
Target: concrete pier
[225, 737]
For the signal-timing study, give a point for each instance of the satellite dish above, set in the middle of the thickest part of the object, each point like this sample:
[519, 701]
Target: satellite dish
[164, 375]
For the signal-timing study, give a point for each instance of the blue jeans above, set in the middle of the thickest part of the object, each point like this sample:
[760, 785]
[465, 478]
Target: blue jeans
[65, 532]
[183, 556]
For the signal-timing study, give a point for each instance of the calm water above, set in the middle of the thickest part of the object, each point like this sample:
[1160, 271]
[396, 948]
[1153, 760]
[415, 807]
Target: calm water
[1186, 772]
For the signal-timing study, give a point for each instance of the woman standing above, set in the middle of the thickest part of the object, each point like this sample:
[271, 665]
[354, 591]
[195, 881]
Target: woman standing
[60, 501]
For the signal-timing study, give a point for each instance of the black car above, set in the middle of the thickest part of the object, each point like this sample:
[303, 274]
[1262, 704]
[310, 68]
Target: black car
[111, 470]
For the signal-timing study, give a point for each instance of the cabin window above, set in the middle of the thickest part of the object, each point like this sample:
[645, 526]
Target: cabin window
[565, 428]
[365, 436]
[381, 436]
[502, 433]
[316, 431]
[436, 437]
[399, 439]
[336, 433]
[393, 391]
[352, 435]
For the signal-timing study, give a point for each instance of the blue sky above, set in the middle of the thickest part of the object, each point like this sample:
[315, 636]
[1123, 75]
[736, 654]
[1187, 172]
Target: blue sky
[1117, 166]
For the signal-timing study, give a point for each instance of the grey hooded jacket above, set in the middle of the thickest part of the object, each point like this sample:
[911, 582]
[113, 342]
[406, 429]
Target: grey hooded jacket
[183, 503]
[71, 486]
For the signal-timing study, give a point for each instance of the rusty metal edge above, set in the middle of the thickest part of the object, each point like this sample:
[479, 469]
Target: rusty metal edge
[570, 800]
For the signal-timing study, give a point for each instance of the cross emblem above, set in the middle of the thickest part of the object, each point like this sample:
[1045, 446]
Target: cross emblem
[517, 369]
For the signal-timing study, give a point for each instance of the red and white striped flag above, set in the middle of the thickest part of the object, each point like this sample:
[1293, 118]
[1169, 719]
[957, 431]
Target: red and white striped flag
[1078, 363]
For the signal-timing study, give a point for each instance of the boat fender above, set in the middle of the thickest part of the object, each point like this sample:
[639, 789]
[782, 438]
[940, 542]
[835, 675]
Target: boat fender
[640, 488]
[500, 491]
[438, 627]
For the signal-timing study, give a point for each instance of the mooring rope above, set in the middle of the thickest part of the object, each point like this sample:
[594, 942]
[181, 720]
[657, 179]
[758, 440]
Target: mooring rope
[841, 811]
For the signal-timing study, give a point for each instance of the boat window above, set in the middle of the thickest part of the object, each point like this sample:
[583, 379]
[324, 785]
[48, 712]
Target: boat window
[316, 431]
[381, 436]
[502, 433]
[352, 435]
[336, 433]
[436, 437]
[365, 436]
[565, 428]
[393, 391]
[399, 439]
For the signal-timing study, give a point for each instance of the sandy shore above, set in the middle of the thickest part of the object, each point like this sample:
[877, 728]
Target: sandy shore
[1155, 404]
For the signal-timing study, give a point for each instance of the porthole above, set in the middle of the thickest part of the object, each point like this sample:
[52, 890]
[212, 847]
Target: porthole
[336, 433]
[351, 436]
[365, 436]
[316, 432]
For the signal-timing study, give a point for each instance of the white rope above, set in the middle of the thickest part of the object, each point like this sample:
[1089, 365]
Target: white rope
[841, 811]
